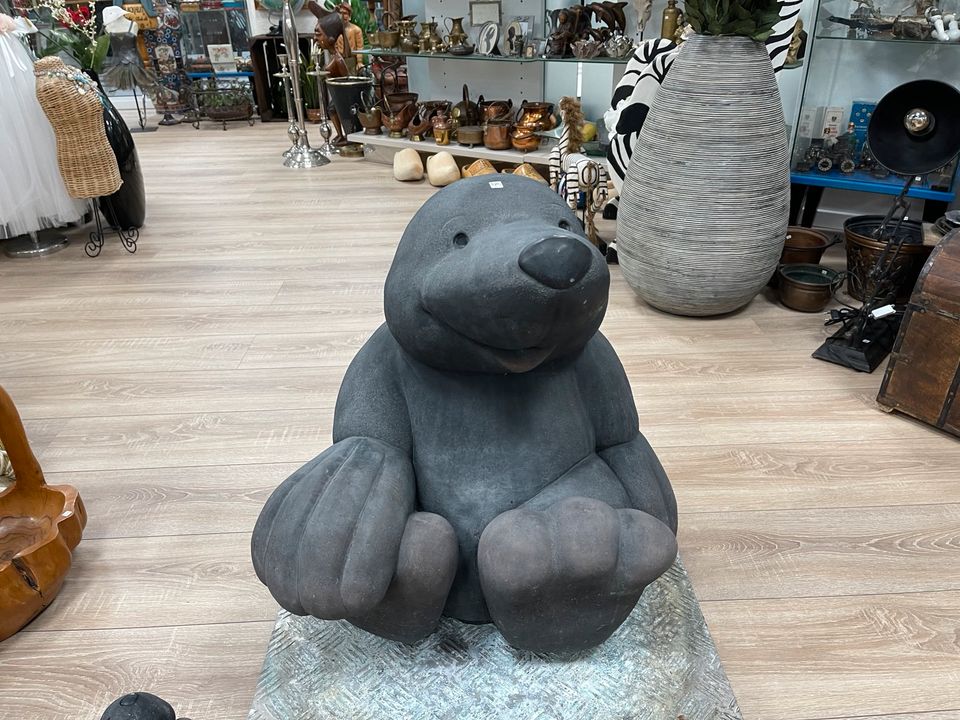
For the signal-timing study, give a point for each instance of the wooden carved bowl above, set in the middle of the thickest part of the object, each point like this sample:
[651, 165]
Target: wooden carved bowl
[40, 525]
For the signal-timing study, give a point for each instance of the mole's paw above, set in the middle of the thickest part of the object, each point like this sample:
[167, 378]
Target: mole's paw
[328, 539]
[426, 567]
[565, 578]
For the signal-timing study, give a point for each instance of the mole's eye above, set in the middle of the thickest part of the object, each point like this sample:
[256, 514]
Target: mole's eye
[460, 240]
[564, 225]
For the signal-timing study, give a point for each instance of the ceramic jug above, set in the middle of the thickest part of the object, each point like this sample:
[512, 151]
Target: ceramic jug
[456, 35]
[430, 30]
[409, 40]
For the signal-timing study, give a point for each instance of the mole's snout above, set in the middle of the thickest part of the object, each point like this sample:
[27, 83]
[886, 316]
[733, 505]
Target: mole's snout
[558, 262]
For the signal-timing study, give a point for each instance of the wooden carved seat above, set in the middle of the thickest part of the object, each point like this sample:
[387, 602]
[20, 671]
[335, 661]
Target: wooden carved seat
[40, 525]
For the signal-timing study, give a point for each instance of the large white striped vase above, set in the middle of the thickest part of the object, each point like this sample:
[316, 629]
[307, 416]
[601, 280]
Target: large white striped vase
[704, 207]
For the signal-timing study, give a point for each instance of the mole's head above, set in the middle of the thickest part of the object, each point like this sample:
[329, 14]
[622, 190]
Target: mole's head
[494, 274]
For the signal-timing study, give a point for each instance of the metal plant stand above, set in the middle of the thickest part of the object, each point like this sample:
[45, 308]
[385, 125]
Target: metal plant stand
[128, 236]
[36, 244]
[300, 155]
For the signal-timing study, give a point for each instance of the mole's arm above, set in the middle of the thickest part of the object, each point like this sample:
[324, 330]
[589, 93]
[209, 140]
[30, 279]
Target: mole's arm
[341, 538]
[371, 403]
[606, 392]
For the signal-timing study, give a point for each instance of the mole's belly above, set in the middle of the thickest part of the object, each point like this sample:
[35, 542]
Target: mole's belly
[484, 444]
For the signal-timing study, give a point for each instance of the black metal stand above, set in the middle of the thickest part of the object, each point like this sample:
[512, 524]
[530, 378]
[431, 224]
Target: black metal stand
[864, 341]
[141, 116]
[128, 237]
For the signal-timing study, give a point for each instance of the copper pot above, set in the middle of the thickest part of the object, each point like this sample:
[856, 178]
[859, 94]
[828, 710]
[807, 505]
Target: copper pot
[495, 110]
[396, 122]
[863, 250]
[496, 135]
[431, 108]
[808, 287]
[470, 135]
[419, 125]
[395, 102]
[804, 245]
[524, 139]
[536, 116]
[372, 120]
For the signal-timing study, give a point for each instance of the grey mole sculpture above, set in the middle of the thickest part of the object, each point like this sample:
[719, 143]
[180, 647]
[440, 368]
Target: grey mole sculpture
[486, 462]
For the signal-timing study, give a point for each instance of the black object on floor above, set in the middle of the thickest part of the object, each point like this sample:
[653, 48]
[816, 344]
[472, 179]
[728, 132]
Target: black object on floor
[861, 350]
[127, 207]
[139, 706]
[610, 211]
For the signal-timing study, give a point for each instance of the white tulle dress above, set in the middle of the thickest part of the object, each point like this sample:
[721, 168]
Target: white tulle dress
[32, 193]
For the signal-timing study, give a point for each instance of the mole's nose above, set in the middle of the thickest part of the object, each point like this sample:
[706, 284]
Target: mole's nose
[557, 262]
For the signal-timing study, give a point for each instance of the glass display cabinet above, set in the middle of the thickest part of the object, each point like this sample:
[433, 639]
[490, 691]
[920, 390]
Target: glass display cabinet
[860, 50]
[214, 23]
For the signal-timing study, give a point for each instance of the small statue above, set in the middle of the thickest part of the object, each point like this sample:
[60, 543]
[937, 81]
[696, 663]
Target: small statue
[670, 20]
[798, 45]
[354, 36]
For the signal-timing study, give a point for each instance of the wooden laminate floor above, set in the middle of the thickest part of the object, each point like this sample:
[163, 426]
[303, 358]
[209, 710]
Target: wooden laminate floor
[176, 387]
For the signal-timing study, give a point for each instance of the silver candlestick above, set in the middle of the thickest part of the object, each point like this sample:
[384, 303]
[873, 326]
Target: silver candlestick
[325, 128]
[301, 154]
[293, 129]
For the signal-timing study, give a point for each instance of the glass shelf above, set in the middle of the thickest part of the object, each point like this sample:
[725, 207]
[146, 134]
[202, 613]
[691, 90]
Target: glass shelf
[493, 58]
[879, 38]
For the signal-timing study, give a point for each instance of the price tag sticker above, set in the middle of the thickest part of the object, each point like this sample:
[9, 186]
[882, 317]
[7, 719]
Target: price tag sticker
[496, 184]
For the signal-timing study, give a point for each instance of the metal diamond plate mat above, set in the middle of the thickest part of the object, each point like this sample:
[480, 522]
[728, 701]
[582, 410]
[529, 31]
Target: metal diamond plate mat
[661, 663]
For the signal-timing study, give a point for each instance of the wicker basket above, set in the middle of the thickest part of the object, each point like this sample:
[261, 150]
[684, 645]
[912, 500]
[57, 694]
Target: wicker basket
[87, 163]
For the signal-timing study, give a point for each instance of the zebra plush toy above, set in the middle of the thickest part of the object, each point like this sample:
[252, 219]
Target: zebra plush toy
[572, 172]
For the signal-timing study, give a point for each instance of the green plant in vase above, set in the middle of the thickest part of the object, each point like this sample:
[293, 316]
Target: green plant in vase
[76, 36]
[747, 18]
[704, 206]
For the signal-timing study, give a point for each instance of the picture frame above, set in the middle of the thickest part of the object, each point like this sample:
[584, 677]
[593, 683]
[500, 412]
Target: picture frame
[488, 39]
[533, 47]
[516, 33]
[222, 57]
[484, 11]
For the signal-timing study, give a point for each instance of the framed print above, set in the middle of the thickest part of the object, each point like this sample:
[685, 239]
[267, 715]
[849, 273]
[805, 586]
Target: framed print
[487, 39]
[484, 11]
[533, 48]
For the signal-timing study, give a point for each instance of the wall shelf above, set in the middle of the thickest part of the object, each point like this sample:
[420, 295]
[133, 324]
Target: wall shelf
[491, 58]
[537, 157]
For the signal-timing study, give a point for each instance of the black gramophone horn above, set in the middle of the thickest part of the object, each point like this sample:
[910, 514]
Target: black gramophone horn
[915, 127]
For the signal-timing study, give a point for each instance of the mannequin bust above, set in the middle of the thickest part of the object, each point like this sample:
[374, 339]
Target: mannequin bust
[71, 102]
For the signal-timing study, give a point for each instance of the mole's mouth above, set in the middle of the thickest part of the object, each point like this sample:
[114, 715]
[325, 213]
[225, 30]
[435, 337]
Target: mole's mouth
[514, 359]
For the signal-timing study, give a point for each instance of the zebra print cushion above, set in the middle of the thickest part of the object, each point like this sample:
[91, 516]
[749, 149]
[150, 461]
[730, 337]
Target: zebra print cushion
[644, 75]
